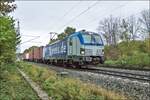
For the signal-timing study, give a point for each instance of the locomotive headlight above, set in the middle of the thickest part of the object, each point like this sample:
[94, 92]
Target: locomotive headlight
[82, 51]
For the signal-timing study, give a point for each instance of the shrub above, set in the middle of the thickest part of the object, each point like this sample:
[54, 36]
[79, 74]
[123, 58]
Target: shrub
[111, 52]
[136, 59]
[129, 53]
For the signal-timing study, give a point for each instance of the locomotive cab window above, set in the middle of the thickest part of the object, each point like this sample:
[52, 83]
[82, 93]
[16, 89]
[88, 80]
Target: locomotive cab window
[92, 39]
[98, 39]
[87, 38]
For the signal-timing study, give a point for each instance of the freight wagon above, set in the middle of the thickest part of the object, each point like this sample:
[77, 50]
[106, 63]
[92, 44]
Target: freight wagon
[38, 54]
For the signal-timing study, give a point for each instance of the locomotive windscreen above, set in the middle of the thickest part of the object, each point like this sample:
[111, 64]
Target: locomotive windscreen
[92, 39]
[87, 38]
[98, 39]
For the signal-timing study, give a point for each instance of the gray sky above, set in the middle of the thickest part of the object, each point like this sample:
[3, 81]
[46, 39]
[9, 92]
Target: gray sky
[38, 18]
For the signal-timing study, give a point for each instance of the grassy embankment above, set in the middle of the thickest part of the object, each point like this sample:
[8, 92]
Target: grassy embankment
[13, 86]
[63, 88]
[131, 55]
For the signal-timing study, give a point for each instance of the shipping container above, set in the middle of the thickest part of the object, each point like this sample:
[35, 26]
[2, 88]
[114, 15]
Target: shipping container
[38, 54]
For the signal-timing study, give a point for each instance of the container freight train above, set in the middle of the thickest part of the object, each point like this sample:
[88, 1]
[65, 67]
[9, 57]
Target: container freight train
[79, 48]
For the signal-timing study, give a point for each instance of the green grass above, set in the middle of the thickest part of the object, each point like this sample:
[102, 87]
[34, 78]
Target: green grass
[60, 88]
[13, 86]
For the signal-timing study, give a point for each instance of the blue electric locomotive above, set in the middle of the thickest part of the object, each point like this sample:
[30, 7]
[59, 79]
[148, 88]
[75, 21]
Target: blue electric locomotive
[79, 48]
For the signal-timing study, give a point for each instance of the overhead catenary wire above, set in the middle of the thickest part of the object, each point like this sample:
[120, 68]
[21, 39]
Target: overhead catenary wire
[89, 7]
[29, 35]
[83, 12]
[66, 15]
[74, 6]
[34, 42]
[30, 40]
[116, 8]
[68, 11]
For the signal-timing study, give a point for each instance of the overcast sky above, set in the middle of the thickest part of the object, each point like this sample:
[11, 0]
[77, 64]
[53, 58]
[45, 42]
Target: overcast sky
[38, 18]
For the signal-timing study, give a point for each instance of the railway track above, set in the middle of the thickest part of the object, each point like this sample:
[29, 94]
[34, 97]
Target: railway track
[126, 75]
[119, 74]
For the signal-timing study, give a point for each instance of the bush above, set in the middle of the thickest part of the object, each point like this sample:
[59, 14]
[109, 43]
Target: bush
[111, 52]
[136, 59]
[129, 53]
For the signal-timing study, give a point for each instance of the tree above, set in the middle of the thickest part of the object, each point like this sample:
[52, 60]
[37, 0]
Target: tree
[124, 33]
[110, 28]
[9, 38]
[145, 20]
[69, 30]
[61, 36]
[133, 27]
[7, 6]
[129, 28]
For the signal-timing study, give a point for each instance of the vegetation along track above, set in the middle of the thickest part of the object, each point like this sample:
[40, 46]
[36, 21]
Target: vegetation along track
[135, 76]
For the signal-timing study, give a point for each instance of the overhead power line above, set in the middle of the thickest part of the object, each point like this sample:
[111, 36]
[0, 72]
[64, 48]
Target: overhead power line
[122, 5]
[30, 40]
[70, 10]
[30, 36]
[80, 14]
[66, 13]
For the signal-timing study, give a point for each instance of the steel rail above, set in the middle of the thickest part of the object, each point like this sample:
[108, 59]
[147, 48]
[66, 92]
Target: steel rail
[120, 74]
